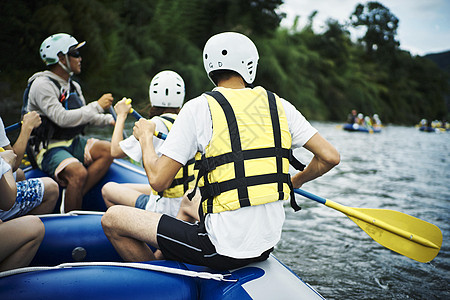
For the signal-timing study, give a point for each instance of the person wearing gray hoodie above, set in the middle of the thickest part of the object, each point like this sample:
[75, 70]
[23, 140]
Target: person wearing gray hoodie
[76, 162]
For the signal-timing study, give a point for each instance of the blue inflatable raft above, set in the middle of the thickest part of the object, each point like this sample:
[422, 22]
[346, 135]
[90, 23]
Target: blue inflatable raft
[357, 127]
[432, 129]
[77, 261]
[82, 264]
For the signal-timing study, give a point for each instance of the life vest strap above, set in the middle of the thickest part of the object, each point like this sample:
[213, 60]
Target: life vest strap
[181, 181]
[216, 188]
[210, 163]
[171, 120]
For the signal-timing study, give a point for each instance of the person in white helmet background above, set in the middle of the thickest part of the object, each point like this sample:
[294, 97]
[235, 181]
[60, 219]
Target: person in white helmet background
[75, 161]
[166, 94]
[245, 136]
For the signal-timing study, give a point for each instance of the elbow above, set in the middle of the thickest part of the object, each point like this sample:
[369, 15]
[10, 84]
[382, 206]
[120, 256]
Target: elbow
[158, 181]
[116, 153]
[158, 185]
[334, 159]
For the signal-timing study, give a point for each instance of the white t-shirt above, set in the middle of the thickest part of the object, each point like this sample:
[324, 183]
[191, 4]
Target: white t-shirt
[132, 148]
[4, 141]
[4, 166]
[262, 223]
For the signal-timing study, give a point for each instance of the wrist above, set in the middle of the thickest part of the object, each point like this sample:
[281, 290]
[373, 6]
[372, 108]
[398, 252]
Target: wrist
[121, 117]
[146, 140]
[27, 129]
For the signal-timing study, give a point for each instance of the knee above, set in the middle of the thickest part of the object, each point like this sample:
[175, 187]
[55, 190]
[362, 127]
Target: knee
[51, 189]
[36, 228]
[109, 219]
[75, 173]
[107, 189]
[20, 175]
[105, 151]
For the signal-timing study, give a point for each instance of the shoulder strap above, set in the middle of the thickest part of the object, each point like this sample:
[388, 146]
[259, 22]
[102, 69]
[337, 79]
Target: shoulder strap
[55, 82]
[166, 117]
[26, 94]
[167, 121]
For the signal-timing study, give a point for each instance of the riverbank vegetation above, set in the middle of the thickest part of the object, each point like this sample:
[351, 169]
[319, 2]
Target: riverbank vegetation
[325, 74]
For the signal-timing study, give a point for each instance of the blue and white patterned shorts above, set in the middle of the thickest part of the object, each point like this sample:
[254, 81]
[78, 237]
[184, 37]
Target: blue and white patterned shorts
[29, 195]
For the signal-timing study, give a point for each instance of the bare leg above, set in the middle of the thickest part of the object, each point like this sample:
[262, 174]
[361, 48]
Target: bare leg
[140, 187]
[130, 229]
[74, 176]
[122, 194]
[102, 159]
[20, 239]
[51, 194]
[189, 209]
[20, 175]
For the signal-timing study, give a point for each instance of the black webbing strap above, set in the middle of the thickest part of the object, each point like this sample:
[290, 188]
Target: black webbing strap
[186, 175]
[182, 181]
[171, 120]
[185, 179]
[236, 147]
[210, 163]
[216, 188]
[277, 139]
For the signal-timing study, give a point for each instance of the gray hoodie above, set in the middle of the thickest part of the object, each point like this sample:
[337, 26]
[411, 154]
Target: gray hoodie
[44, 98]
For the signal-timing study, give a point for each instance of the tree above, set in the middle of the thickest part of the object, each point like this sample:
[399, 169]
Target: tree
[381, 27]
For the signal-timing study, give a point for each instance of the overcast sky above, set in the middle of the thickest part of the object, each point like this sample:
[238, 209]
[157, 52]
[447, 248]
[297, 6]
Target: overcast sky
[424, 25]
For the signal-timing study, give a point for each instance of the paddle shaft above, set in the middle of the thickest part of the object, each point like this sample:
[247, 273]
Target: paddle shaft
[13, 127]
[138, 116]
[368, 219]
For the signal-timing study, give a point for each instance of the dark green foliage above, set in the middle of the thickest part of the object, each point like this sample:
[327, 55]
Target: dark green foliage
[324, 75]
[380, 27]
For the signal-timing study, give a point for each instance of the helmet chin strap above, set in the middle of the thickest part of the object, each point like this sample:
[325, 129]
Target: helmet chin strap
[66, 68]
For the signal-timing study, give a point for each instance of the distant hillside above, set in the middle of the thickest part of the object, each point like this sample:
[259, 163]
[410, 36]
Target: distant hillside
[442, 59]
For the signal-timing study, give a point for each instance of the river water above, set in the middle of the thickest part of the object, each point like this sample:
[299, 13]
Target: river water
[400, 169]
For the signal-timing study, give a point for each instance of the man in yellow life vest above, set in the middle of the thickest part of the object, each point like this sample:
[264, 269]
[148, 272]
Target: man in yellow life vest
[245, 136]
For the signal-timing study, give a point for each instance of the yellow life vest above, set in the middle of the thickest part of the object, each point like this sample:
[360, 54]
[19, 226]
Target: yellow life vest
[247, 160]
[184, 179]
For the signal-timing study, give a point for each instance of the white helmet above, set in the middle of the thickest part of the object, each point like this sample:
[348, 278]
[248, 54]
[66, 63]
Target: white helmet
[167, 89]
[56, 43]
[231, 51]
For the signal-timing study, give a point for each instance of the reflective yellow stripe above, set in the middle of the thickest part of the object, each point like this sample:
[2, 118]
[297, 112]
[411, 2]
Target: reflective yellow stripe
[41, 153]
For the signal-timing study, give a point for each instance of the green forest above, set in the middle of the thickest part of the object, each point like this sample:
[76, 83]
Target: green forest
[324, 75]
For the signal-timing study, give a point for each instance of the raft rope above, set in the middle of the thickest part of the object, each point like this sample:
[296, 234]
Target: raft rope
[201, 275]
[63, 200]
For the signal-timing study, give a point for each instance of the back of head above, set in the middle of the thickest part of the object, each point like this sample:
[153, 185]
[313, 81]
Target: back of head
[231, 51]
[55, 44]
[167, 90]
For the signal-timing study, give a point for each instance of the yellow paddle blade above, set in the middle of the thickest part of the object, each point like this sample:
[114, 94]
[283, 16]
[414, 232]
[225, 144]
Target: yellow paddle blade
[399, 232]
[394, 230]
